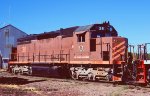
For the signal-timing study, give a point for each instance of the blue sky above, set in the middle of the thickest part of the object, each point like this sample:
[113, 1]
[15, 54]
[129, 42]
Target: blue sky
[131, 18]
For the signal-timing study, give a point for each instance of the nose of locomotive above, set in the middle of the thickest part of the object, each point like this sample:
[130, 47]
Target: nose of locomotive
[119, 49]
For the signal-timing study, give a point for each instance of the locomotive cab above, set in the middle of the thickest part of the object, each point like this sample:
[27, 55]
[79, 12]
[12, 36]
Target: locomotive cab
[99, 44]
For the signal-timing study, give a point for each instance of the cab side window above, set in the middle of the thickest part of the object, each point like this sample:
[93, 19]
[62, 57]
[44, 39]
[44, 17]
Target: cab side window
[81, 37]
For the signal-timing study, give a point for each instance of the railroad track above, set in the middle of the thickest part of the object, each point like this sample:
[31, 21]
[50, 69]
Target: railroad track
[62, 86]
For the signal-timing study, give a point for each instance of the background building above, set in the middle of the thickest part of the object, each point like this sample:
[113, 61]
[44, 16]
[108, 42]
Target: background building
[8, 39]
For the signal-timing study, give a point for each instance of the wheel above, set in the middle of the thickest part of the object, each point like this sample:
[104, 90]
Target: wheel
[74, 75]
[13, 71]
[20, 71]
[109, 77]
[90, 76]
[79, 78]
[96, 79]
[30, 72]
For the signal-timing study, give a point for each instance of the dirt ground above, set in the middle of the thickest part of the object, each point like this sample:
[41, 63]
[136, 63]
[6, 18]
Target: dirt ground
[18, 85]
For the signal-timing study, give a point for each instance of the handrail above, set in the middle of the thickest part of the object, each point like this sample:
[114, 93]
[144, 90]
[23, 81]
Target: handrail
[43, 57]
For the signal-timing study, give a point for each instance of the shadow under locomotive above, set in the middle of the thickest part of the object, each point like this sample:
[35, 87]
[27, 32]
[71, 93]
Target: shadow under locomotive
[17, 81]
[52, 71]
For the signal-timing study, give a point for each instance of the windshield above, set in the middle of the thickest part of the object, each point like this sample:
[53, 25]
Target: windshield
[103, 31]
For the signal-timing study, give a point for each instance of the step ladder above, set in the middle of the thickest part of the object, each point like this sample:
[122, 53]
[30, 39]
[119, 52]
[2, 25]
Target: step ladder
[118, 71]
[140, 72]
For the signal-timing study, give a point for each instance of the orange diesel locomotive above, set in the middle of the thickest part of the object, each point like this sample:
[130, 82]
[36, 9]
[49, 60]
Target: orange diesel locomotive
[93, 52]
